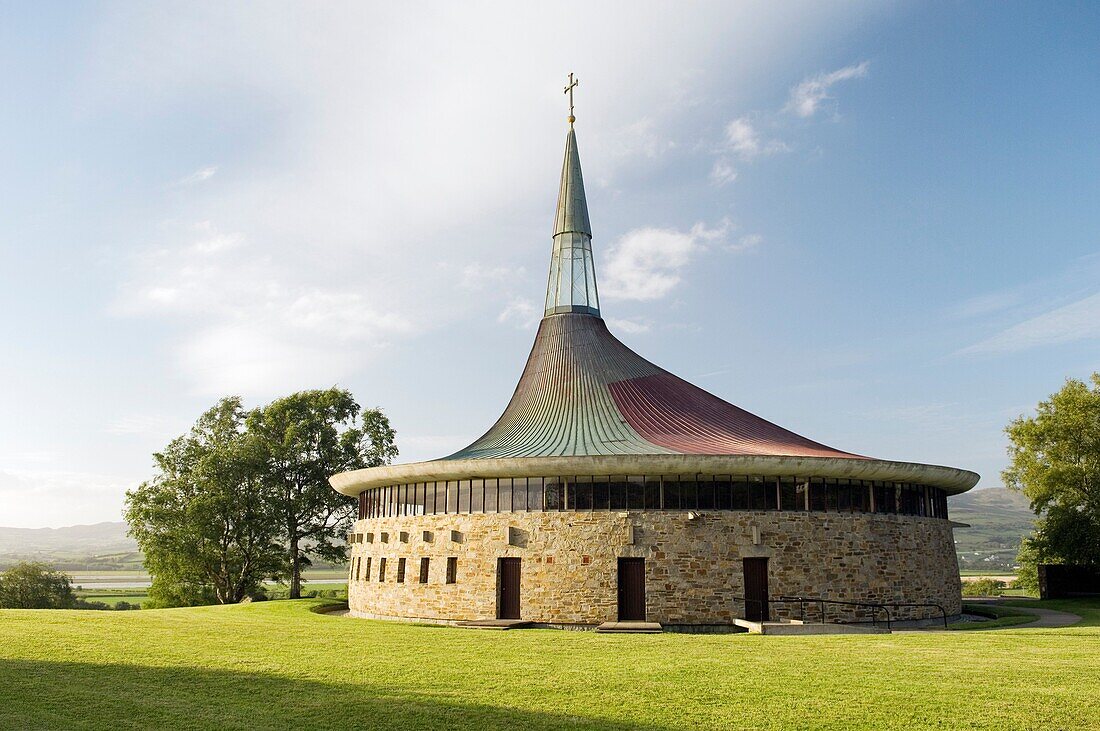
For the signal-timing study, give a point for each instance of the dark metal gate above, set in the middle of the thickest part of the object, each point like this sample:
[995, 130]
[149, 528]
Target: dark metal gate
[631, 589]
[508, 601]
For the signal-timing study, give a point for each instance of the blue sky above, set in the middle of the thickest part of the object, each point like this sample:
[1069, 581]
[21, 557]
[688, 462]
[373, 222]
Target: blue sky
[875, 224]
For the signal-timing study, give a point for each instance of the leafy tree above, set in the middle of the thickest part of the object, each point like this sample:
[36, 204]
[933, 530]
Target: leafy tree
[35, 585]
[308, 437]
[206, 522]
[1056, 463]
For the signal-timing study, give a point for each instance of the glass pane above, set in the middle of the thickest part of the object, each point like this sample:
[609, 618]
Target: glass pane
[464, 496]
[555, 493]
[504, 489]
[477, 496]
[689, 494]
[740, 492]
[706, 493]
[672, 492]
[635, 492]
[534, 494]
[491, 504]
[617, 491]
[592, 493]
[652, 493]
[723, 492]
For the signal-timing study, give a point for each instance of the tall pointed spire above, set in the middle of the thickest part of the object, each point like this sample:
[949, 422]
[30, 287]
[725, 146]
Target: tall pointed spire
[572, 283]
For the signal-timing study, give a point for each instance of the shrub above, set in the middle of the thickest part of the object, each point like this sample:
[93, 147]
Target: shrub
[983, 587]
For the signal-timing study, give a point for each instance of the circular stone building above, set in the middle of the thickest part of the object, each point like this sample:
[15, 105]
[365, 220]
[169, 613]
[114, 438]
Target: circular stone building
[612, 490]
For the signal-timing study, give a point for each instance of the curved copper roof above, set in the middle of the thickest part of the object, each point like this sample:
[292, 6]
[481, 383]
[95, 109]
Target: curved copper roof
[587, 404]
[584, 393]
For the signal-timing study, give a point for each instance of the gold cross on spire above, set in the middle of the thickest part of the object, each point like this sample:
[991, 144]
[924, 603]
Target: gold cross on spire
[569, 90]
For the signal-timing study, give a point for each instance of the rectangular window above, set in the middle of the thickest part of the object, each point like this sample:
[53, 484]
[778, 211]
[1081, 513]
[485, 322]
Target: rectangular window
[504, 492]
[534, 494]
[452, 570]
[381, 569]
[400, 571]
[771, 493]
[424, 570]
[555, 493]
[464, 496]
[758, 499]
[357, 563]
[740, 493]
[519, 494]
[789, 496]
[617, 490]
[817, 494]
[652, 493]
[590, 493]
[491, 503]
[671, 486]
[452, 497]
[723, 492]
[689, 494]
[635, 492]
[706, 493]
[366, 574]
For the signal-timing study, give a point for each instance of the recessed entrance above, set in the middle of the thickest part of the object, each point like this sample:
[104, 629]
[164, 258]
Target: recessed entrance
[631, 589]
[756, 590]
[508, 596]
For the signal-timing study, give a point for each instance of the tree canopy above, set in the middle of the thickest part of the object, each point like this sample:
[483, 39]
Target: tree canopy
[1055, 462]
[34, 585]
[308, 437]
[244, 496]
[206, 522]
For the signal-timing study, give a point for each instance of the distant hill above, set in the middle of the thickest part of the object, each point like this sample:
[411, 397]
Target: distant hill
[99, 546]
[999, 519]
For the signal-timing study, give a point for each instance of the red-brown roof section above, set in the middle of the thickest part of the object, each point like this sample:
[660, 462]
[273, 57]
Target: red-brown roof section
[672, 413]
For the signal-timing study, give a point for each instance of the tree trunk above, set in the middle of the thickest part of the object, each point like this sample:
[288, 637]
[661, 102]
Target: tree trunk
[295, 570]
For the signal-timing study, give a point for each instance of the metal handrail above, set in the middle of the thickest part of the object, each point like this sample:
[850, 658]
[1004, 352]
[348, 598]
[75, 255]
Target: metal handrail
[821, 603]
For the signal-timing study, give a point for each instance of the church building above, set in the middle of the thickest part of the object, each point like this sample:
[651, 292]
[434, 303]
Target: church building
[612, 490]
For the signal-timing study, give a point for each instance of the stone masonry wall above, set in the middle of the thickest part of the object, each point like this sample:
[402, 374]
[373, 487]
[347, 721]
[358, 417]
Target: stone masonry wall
[693, 568]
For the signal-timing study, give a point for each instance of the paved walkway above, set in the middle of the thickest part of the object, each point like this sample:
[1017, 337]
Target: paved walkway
[1048, 618]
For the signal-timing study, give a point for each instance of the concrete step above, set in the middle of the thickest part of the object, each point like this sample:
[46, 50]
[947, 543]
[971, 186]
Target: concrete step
[495, 624]
[630, 627]
[809, 628]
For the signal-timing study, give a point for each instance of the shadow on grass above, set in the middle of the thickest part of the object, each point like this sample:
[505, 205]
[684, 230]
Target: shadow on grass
[39, 694]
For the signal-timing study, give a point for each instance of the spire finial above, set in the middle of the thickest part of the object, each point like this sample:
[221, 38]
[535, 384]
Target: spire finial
[569, 90]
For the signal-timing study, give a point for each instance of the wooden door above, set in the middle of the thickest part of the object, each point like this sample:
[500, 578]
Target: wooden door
[756, 590]
[631, 589]
[508, 601]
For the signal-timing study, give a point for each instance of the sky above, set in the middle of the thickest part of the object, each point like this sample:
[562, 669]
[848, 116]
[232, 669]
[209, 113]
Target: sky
[876, 224]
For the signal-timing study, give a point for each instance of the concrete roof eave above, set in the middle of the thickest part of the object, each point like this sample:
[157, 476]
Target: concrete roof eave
[950, 479]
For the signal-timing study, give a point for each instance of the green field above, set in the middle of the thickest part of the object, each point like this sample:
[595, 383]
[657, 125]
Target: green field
[278, 664]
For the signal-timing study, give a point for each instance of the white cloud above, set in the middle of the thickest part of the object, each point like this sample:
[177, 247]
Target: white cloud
[806, 97]
[744, 140]
[722, 172]
[985, 304]
[640, 139]
[199, 175]
[1076, 321]
[250, 328]
[746, 242]
[646, 263]
[521, 312]
[632, 327]
[476, 277]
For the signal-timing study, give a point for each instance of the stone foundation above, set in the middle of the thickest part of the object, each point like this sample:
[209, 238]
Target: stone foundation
[693, 568]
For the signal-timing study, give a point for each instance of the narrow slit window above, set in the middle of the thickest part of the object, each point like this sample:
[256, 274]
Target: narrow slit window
[381, 569]
[400, 571]
[452, 570]
[424, 569]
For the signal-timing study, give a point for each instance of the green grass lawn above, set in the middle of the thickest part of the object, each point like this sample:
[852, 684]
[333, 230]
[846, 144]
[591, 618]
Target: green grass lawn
[279, 665]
